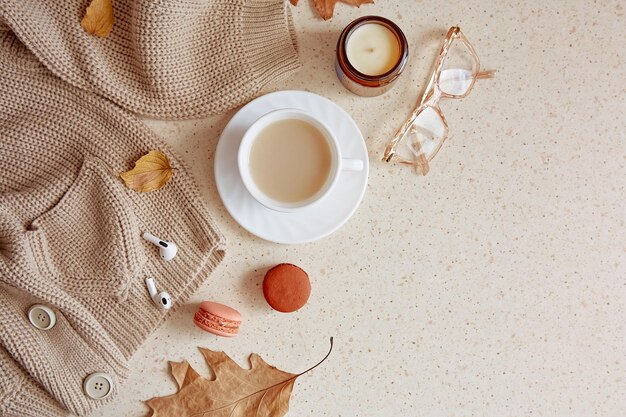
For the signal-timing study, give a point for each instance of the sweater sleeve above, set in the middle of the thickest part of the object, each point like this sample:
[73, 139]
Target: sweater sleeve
[165, 59]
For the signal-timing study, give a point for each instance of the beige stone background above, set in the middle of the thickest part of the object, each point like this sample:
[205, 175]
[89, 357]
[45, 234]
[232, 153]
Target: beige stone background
[496, 285]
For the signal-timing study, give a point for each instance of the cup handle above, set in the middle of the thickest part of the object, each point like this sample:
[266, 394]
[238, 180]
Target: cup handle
[351, 165]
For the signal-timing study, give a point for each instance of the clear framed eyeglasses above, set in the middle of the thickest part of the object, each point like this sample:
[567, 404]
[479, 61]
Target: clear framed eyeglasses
[421, 136]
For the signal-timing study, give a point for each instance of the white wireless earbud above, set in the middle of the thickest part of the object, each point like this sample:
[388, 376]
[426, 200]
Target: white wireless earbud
[161, 299]
[167, 250]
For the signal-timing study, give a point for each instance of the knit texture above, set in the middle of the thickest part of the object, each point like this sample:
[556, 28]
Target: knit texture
[70, 238]
[168, 59]
[70, 232]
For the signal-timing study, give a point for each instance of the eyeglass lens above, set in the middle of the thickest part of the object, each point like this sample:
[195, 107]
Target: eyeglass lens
[422, 140]
[459, 69]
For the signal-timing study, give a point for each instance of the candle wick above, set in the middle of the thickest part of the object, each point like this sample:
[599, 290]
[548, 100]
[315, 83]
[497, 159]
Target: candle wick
[370, 50]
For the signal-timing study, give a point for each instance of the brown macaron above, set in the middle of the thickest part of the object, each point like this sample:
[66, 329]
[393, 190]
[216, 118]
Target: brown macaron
[286, 288]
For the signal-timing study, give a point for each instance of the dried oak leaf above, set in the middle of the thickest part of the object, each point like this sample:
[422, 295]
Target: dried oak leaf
[261, 391]
[99, 18]
[326, 7]
[151, 172]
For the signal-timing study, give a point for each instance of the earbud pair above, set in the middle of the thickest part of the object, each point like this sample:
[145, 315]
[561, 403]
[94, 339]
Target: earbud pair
[168, 251]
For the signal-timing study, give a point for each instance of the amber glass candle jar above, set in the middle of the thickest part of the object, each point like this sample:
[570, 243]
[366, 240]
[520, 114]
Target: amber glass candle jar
[371, 54]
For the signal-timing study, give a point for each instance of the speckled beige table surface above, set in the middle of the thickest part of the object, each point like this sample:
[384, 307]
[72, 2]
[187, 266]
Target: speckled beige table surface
[496, 285]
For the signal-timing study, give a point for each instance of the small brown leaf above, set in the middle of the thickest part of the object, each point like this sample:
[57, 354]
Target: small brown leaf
[261, 391]
[294, 2]
[99, 18]
[151, 172]
[326, 7]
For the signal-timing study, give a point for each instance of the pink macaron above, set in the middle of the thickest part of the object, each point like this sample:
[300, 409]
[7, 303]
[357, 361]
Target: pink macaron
[218, 319]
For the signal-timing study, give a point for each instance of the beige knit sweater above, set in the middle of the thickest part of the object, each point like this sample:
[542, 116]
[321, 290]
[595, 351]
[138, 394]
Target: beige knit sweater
[70, 232]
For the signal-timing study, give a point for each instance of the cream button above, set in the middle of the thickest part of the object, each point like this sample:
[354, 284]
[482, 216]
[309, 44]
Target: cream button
[98, 386]
[42, 317]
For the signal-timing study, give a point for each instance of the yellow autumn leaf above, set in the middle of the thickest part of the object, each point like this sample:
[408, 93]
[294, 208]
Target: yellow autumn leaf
[151, 172]
[98, 18]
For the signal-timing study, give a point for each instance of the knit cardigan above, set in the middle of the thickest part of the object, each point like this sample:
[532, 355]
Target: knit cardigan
[70, 232]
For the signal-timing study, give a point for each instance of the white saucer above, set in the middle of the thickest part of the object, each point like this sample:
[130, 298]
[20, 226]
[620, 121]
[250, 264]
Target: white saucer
[312, 223]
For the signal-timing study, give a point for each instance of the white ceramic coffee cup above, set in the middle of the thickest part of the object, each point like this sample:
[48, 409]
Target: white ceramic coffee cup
[337, 164]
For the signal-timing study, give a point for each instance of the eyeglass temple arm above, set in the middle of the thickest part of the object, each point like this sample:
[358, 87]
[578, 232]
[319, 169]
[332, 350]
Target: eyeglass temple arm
[486, 74]
[428, 90]
[390, 149]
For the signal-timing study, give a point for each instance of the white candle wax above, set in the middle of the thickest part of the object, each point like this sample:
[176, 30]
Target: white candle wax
[373, 49]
